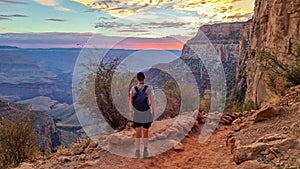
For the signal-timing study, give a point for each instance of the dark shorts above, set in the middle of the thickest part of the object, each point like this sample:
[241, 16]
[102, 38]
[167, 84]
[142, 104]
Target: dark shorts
[144, 125]
[142, 119]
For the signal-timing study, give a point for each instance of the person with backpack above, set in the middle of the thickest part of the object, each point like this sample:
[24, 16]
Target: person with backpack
[142, 108]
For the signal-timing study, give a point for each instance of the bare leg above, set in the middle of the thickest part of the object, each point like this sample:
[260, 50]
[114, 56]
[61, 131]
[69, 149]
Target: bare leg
[145, 138]
[145, 134]
[137, 137]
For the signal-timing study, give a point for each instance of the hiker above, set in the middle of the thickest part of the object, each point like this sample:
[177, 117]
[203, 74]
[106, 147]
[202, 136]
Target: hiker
[142, 108]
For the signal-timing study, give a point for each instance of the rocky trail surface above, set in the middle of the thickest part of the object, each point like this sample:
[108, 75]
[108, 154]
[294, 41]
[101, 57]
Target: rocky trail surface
[267, 138]
[190, 154]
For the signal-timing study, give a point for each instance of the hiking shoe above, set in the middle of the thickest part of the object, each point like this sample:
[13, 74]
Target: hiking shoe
[146, 154]
[137, 153]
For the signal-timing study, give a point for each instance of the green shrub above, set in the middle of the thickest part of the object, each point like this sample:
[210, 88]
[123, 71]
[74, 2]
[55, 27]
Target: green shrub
[281, 75]
[103, 84]
[205, 101]
[239, 106]
[297, 50]
[17, 140]
[99, 82]
[56, 119]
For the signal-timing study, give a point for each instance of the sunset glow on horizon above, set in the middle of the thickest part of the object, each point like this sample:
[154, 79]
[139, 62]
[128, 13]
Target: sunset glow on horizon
[70, 23]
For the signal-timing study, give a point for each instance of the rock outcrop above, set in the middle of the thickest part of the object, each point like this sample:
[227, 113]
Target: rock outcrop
[64, 116]
[267, 136]
[274, 29]
[48, 135]
[224, 38]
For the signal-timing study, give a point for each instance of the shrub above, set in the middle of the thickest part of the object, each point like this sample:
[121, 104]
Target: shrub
[101, 82]
[17, 140]
[205, 101]
[297, 50]
[281, 75]
[239, 106]
[56, 119]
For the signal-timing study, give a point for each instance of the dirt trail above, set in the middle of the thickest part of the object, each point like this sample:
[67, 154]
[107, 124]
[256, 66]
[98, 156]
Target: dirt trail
[212, 154]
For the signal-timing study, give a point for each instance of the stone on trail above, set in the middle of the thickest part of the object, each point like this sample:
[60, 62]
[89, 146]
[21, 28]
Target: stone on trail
[266, 113]
[253, 164]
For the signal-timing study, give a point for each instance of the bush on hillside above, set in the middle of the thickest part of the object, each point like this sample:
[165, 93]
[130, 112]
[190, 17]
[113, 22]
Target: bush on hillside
[205, 101]
[103, 84]
[17, 140]
[99, 77]
[281, 75]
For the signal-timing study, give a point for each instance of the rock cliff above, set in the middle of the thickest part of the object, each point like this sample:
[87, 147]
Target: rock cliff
[275, 28]
[48, 135]
[224, 37]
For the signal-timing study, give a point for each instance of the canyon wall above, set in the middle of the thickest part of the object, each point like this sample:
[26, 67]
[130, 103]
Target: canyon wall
[224, 38]
[273, 29]
[48, 137]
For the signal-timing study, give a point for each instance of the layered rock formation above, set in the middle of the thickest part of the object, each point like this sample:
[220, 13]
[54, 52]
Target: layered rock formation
[48, 135]
[223, 36]
[64, 116]
[217, 39]
[275, 29]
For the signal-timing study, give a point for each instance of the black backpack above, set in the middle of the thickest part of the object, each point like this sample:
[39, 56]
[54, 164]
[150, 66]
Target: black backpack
[140, 99]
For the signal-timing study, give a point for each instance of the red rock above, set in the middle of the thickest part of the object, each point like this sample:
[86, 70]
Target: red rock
[179, 147]
[265, 113]
[237, 121]
[253, 164]
[78, 151]
[82, 157]
[64, 159]
[95, 156]
[92, 145]
[88, 150]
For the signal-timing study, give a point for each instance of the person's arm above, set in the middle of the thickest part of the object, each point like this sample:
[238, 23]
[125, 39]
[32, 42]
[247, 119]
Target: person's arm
[152, 104]
[130, 104]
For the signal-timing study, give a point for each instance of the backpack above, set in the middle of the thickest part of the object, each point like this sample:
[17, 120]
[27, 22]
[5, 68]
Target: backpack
[140, 99]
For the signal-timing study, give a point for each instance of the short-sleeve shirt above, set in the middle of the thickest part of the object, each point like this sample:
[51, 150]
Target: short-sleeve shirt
[149, 90]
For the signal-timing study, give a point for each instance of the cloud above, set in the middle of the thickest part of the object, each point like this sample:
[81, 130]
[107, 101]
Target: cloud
[60, 8]
[13, 16]
[196, 4]
[47, 2]
[132, 30]
[3, 18]
[135, 25]
[56, 20]
[53, 3]
[165, 24]
[13, 2]
[119, 8]
[108, 24]
[213, 10]
[239, 16]
[10, 17]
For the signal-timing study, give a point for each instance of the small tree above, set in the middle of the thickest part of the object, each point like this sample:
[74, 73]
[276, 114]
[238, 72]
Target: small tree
[103, 84]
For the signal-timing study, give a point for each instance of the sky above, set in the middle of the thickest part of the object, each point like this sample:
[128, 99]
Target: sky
[137, 24]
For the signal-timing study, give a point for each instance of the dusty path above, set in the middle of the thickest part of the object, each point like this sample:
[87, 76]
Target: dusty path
[212, 154]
